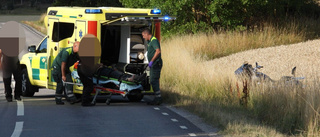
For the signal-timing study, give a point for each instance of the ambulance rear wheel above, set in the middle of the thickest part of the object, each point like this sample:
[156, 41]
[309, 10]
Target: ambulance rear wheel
[28, 90]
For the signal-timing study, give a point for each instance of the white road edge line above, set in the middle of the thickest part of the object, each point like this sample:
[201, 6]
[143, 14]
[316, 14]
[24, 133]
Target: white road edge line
[20, 108]
[174, 120]
[197, 121]
[183, 127]
[18, 129]
[156, 108]
[192, 134]
[166, 114]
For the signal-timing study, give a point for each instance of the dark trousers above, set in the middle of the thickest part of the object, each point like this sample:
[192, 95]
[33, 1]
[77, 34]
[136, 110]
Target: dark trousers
[111, 73]
[87, 86]
[7, 73]
[155, 72]
[57, 76]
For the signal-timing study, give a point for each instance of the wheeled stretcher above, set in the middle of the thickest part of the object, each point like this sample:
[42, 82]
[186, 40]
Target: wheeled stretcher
[108, 86]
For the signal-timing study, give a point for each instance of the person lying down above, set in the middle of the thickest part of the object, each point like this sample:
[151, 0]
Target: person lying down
[124, 82]
[107, 72]
[104, 72]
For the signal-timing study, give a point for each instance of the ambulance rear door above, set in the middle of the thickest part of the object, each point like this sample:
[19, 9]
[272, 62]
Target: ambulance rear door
[130, 30]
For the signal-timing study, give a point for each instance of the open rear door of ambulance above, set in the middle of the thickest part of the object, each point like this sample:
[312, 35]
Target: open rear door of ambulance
[128, 52]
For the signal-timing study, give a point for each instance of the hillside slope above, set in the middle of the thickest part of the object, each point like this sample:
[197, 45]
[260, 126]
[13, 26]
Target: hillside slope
[277, 61]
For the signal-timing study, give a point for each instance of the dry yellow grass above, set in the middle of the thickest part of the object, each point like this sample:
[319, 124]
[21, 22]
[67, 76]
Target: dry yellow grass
[277, 61]
[220, 44]
[208, 88]
[38, 25]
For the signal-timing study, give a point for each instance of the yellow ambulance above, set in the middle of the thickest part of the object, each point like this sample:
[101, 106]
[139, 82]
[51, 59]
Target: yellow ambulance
[118, 30]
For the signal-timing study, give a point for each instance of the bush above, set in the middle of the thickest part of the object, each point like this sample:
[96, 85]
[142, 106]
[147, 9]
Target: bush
[10, 5]
[195, 16]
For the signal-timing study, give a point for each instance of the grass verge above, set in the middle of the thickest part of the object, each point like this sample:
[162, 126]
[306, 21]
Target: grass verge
[209, 89]
[38, 25]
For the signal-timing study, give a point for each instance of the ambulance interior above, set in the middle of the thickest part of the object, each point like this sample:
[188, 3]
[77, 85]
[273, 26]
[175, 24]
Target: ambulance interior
[122, 45]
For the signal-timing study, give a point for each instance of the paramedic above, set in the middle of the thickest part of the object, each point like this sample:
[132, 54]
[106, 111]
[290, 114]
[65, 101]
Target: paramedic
[155, 64]
[86, 80]
[11, 65]
[66, 58]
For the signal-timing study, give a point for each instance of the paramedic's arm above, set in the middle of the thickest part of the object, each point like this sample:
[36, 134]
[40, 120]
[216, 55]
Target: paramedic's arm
[156, 55]
[63, 66]
[64, 58]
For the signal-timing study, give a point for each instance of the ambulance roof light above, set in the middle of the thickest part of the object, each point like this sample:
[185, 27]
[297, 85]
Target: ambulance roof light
[93, 11]
[155, 11]
[166, 18]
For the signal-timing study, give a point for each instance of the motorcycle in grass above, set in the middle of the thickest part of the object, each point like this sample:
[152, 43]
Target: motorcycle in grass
[247, 72]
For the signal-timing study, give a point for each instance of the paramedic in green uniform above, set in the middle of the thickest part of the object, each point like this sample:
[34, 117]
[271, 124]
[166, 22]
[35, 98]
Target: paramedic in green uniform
[155, 64]
[65, 59]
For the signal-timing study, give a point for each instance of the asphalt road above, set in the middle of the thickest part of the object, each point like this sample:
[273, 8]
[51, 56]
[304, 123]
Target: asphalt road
[38, 116]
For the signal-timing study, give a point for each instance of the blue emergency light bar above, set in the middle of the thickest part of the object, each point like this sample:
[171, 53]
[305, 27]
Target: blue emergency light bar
[93, 11]
[166, 18]
[155, 11]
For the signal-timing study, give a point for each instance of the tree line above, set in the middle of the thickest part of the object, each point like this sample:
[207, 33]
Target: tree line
[210, 15]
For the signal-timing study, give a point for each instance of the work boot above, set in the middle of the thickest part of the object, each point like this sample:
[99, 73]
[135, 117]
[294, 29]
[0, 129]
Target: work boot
[71, 98]
[74, 100]
[9, 98]
[59, 101]
[87, 104]
[155, 101]
[18, 98]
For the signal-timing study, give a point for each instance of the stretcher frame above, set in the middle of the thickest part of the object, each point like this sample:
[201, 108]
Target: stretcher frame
[97, 89]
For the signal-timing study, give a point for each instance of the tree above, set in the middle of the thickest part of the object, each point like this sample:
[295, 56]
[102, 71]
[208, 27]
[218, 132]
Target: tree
[88, 3]
[208, 15]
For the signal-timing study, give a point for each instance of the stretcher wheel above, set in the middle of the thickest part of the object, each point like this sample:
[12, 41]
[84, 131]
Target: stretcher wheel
[108, 101]
[94, 102]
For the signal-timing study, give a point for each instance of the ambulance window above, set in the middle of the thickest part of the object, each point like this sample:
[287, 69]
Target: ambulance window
[62, 30]
[43, 47]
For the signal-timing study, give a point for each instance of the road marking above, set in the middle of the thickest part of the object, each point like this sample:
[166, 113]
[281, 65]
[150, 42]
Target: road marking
[20, 108]
[166, 114]
[174, 120]
[17, 130]
[156, 108]
[183, 127]
[192, 134]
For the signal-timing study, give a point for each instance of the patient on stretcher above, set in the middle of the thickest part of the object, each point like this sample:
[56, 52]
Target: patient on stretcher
[108, 73]
[104, 72]
[105, 75]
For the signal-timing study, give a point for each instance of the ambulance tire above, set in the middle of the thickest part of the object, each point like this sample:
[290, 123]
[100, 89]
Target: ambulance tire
[28, 90]
[135, 96]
